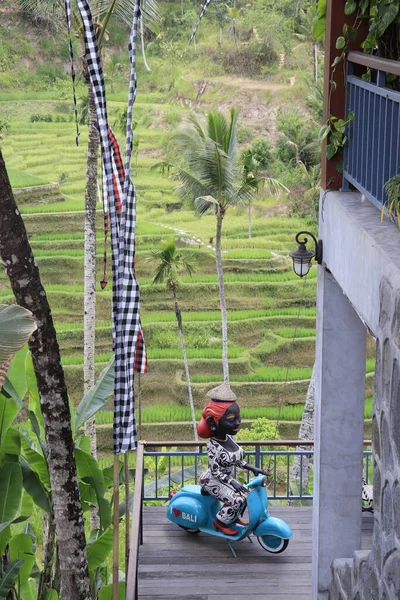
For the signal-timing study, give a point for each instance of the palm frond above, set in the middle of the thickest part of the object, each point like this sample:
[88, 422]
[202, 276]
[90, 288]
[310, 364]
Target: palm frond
[197, 124]
[206, 204]
[191, 186]
[51, 12]
[123, 10]
[215, 169]
[231, 145]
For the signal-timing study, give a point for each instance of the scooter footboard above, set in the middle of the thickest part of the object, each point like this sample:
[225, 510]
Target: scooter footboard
[274, 526]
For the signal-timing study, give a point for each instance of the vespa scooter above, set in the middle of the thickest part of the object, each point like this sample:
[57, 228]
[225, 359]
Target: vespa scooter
[194, 511]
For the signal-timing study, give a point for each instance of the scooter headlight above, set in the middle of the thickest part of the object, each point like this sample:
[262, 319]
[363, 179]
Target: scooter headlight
[264, 481]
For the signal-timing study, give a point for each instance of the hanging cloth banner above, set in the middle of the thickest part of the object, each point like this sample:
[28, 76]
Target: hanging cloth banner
[195, 28]
[120, 212]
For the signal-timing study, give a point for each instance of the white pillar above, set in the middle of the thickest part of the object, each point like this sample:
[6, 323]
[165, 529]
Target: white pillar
[339, 430]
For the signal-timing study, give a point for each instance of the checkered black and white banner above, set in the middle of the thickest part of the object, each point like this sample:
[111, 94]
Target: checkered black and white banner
[195, 28]
[120, 212]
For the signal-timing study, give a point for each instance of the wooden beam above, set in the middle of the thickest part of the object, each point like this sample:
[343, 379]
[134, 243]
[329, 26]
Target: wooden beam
[335, 101]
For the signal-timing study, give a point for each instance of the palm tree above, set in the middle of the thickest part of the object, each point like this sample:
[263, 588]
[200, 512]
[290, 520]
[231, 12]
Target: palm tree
[170, 264]
[308, 20]
[254, 177]
[211, 179]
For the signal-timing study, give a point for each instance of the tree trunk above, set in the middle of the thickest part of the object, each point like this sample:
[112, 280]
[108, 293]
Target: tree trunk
[89, 302]
[142, 41]
[306, 432]
[25, 281]
[185, 362]
[315, 62]
[249, 220]
[222, 301]
[234, 32]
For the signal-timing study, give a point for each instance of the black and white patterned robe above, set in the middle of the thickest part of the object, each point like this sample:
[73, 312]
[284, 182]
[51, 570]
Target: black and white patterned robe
[217, 478]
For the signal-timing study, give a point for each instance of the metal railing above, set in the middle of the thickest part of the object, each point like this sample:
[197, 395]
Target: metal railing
[372, 151]
[171, 465]
[165, 468]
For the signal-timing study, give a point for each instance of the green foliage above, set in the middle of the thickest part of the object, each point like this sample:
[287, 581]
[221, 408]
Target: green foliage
[392, 190]
[261, 429]
[334, 130]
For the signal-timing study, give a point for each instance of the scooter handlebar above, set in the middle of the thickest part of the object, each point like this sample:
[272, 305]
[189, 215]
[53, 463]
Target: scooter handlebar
[260, 480]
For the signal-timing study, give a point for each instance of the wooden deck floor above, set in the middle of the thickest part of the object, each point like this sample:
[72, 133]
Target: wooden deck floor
[176, 565]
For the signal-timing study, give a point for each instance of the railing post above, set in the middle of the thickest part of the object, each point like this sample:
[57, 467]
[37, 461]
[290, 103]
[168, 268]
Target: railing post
[257, 457]
[137, 525]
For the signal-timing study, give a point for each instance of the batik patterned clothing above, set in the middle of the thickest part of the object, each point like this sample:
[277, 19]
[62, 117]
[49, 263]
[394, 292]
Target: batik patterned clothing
[217, 479]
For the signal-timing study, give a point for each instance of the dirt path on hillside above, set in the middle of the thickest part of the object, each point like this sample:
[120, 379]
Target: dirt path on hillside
[241, 83]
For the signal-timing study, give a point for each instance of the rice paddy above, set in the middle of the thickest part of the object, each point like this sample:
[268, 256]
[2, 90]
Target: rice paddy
[271, 313]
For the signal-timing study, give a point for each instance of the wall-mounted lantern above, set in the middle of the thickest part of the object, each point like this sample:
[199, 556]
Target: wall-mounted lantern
[302, 257]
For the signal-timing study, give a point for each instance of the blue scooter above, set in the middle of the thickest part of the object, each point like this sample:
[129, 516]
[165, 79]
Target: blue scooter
[195, 511]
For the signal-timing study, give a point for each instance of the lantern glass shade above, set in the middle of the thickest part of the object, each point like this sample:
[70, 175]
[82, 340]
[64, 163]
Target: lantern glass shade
[301, 266]
[302, 260]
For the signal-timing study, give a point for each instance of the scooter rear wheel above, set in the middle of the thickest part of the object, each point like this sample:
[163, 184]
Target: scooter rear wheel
[272, 543]
[189, 530]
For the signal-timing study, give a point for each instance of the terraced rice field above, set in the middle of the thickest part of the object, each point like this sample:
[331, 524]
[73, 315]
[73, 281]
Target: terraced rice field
[271, 313]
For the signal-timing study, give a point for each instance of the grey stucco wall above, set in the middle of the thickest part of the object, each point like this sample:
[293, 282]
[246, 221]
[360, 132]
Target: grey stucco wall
[366, 264]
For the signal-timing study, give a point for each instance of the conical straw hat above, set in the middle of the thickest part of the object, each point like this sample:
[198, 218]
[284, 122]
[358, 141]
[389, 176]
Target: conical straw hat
[222, 393]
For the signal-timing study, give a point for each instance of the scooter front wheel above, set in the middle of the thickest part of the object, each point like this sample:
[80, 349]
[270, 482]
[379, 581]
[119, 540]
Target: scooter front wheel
[272, 543]
[189, 530]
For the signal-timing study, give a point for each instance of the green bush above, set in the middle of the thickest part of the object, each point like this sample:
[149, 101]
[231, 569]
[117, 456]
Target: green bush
[36, 118]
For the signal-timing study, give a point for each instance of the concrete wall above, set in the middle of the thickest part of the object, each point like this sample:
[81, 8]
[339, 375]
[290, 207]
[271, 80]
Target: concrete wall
[363, 256]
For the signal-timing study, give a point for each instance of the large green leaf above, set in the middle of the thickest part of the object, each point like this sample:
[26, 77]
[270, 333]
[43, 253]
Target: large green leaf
[35, 487]
[20, 519]
[98, 551]
[97, 397]
[34, 396]
[21, 547]
[35, 458]
[106, 592]
[16, 327]
[8, 576]
[50, 595]
[89, 470]
[10, 444]
[9, 409]
[10, 490]
[16, 372]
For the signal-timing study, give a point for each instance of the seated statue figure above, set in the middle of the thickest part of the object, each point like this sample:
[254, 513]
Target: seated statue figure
[220, 421]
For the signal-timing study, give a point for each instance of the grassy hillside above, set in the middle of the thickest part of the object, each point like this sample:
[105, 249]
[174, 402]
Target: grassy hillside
[271, 312]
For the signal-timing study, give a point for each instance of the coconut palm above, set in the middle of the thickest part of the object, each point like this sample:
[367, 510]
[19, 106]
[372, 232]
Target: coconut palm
[171, 262]
[308, 19]
[211, 179]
